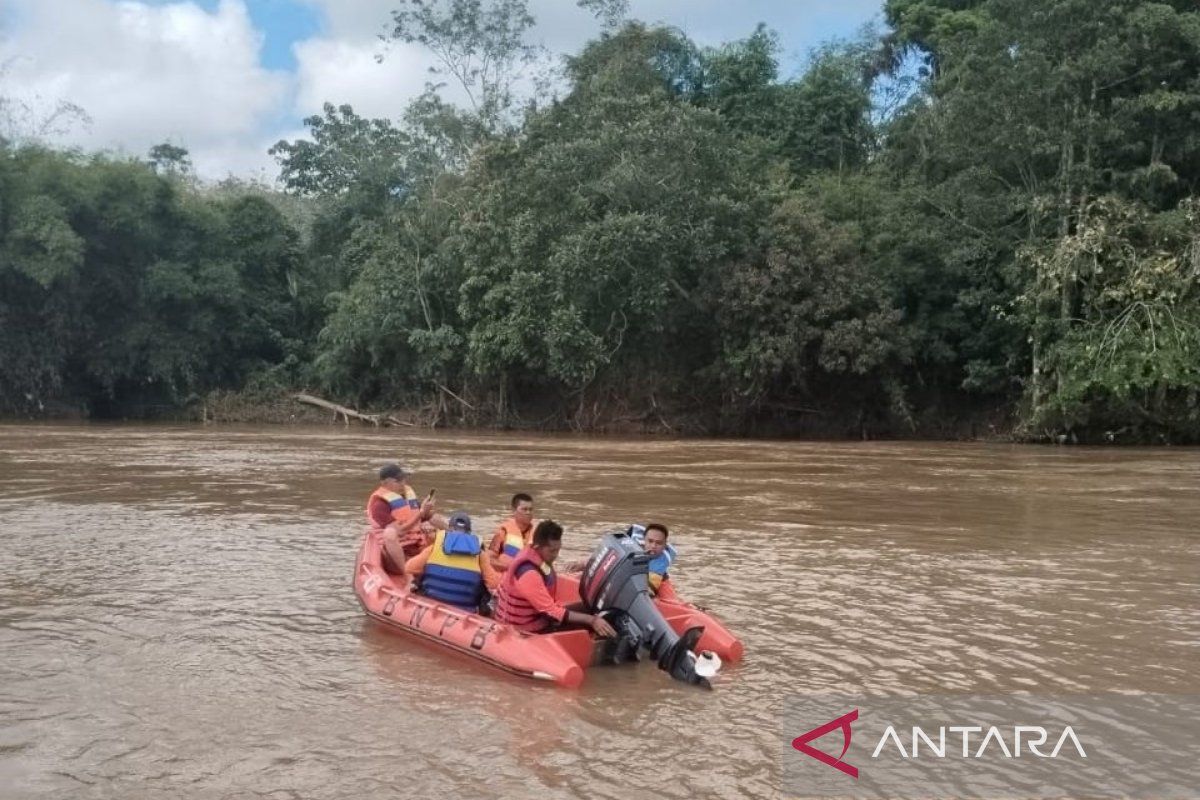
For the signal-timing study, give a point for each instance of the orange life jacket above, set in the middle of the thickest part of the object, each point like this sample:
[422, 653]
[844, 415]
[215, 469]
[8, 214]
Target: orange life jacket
[511, 607]
[408, 505]
[515, 540]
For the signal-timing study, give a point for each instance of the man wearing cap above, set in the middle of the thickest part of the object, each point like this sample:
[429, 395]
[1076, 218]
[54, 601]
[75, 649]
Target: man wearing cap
[454, 569]
[394, 507]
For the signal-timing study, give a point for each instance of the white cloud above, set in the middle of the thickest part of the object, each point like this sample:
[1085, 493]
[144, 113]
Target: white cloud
[241, 157]
[145, 74]
[345, 71]
[359, 21]
[341, 67]
[362, 20]
[148, 72]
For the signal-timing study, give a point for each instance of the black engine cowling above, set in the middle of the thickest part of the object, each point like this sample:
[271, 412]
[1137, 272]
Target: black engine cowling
[614, 583]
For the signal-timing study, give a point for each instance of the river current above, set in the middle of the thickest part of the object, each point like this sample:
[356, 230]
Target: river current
[176, 617]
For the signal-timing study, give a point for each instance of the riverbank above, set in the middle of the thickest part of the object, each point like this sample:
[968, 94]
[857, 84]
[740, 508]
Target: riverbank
[956, 421]
[994, 423]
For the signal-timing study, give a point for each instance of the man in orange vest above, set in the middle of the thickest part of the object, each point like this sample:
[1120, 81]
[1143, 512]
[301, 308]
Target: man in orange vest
[527, 597]
[513, 534]
[394, 507]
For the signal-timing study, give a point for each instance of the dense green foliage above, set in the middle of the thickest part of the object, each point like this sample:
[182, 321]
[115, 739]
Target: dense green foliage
[120, 288]
[673, 235]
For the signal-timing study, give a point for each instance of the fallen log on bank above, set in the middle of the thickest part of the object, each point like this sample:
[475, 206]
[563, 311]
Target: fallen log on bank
[349, 413]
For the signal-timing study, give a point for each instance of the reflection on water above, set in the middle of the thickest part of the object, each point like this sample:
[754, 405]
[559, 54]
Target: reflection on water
[176, 616]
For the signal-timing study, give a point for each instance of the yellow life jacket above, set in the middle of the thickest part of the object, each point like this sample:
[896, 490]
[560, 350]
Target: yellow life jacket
[452, 573]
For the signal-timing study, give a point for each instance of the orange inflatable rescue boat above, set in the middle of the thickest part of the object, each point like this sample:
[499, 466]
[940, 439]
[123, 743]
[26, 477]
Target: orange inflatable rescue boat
[673, 632]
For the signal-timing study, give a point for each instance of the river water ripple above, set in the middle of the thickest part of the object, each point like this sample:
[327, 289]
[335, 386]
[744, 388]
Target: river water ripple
[176, 618]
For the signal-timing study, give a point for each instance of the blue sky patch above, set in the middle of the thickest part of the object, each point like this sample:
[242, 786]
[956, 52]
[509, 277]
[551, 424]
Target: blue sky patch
[282, 23]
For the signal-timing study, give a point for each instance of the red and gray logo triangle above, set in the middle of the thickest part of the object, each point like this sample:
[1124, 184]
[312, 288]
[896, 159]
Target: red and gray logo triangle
[801, 743]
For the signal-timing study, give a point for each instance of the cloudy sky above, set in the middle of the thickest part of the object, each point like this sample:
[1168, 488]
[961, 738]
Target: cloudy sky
[229, 78]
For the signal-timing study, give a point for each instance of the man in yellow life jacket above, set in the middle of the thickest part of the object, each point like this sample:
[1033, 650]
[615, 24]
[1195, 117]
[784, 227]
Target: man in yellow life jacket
[394, 507]
[514, 533]
[454, 568]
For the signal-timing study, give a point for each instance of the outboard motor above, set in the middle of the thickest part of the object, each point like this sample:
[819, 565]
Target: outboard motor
[614, 580]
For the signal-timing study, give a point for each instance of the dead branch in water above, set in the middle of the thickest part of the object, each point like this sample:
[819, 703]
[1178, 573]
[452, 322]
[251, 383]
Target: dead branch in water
[346, 413]
[452, 394]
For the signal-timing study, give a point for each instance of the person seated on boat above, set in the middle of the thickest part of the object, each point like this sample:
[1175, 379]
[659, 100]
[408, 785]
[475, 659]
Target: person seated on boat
[653, 539]
[514, 533]
[454, 568]
[394, 507]
[527, 596]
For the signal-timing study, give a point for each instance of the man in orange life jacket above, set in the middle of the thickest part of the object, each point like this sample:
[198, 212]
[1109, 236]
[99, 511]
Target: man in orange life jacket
[513, 534]
[526, 599]
[454, 569]
[394, 507]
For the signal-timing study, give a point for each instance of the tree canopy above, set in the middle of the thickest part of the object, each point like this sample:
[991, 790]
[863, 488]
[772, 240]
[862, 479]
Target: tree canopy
[702, 238]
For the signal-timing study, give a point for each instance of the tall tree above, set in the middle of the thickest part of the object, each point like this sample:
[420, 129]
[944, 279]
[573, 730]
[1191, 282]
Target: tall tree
[1035, 111]
[170, 159]
[481, 45]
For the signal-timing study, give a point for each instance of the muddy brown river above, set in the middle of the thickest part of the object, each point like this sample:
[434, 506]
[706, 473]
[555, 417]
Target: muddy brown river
[176, 618]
